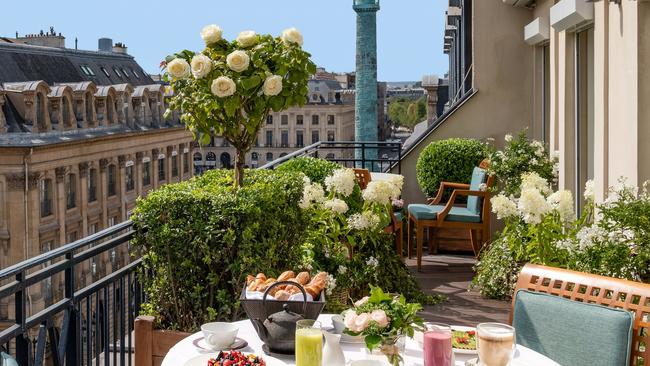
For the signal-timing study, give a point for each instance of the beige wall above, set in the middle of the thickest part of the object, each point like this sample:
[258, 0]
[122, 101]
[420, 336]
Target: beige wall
[502, 77]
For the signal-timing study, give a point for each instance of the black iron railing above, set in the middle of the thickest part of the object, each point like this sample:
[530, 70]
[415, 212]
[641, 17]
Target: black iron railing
[377, 156]
[91, 321]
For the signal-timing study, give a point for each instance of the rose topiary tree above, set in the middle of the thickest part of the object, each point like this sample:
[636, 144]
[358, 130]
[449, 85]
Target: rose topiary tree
[230, 87]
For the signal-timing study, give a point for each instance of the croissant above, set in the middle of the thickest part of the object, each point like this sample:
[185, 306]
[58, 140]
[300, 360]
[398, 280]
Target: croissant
[249, 279]
[261, 276]
[265, 284]
[303, 278]
[286, 275]
[253, 285]
[313, 291]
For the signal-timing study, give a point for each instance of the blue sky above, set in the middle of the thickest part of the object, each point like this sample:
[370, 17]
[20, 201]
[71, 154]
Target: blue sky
[410, 32]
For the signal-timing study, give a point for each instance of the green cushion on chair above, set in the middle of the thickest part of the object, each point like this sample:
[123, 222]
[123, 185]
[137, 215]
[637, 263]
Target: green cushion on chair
[430, 212]
[479, 176]
[572, 332]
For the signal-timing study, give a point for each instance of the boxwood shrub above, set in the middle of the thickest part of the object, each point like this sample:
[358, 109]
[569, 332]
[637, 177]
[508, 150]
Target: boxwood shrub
[201, 238]
[316, 169]
[450, 160]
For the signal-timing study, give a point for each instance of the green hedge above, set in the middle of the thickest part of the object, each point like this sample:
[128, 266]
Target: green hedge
[450, 160]
[316, 169]
[201, 238]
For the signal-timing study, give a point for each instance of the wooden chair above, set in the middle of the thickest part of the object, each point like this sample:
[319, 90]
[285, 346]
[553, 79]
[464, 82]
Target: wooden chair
[595, 289]
[475, 216]
[152, 345]
[363, 177]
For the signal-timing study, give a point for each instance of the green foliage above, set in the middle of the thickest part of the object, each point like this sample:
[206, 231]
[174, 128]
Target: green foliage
[451, 160]
[315, 169]
[521, 155]
[239, 116]
[497, 271]
[201, 238]
[406, 112]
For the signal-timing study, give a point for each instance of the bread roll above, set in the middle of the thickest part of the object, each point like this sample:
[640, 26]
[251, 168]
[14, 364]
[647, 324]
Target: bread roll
[265, 284]
[282, 295]
[254, 284]
[314, 291]
[286, 275]
[261, 276]
[303, 278]
[249, 279]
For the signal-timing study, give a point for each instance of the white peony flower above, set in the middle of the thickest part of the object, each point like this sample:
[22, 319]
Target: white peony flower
[201, 66]
[247, 38]
[336, 205]
[503, 206]
[589, 193]
[211, 34]
[562, 201]
[272, 85]
[291, 35]
[508, 138]
[178, 68]
[532, 180]
[238, 61]
[533, 206]
[223, 86]
[341, 181]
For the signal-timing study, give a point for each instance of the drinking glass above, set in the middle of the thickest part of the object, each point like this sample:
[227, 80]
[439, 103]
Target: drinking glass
[437, 345]
[495, 344]
[309, 343]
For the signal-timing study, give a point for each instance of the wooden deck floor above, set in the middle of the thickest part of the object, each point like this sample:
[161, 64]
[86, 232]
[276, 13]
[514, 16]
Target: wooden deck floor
[451, 275]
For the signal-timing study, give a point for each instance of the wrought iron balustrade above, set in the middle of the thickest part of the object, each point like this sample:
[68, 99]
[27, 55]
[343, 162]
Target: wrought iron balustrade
[91, 322]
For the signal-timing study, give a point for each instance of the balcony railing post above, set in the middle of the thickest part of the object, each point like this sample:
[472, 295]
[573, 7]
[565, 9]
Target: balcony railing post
[22, 342]
[363, 155]
[73, 327]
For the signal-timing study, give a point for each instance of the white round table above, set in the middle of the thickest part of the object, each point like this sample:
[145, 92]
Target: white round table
[185, 349]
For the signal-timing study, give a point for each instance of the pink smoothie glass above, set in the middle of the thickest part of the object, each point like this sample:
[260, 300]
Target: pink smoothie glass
[437, 345]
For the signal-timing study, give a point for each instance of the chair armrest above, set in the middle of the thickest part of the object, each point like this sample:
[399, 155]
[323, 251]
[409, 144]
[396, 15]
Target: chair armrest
[452, 200]
[441, 190]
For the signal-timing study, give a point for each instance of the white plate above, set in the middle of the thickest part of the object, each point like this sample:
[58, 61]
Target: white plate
[464, 351]
[202, 360]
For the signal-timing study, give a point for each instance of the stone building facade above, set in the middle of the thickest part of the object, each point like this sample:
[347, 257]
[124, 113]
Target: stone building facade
[78, 145]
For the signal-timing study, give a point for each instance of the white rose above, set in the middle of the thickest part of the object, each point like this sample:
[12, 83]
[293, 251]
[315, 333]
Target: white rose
[178, 68]
[247, 38]
[238, 61]
[272, 85]
[223, 86]
[201, 66]
[291, 35]
[211, 34]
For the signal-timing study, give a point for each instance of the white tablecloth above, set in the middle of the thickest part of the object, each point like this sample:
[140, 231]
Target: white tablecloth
[185, 350]
[382, 176]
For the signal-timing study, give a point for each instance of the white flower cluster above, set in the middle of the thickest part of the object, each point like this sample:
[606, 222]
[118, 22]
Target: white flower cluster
[342, 270]
[330, 284]
[532, 205]
[532, 180]
[539, 149]
[341, 181]
[562, 202]
[363, 221]
[589, 193]
[311, 193]
[336, 205]
[372, 262]
[589, 236]
[503, 206]
[384, 191]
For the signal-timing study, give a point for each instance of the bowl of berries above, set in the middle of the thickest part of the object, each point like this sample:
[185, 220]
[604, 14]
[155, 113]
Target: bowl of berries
[233, 358]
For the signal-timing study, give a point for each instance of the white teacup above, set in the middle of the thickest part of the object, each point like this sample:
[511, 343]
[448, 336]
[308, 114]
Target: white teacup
[219, 335]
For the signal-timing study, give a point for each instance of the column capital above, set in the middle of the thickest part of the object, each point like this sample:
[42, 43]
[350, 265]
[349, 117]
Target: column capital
[83, 168]
[121, 161]
[139, 156]
[60, 173]
[103, 164]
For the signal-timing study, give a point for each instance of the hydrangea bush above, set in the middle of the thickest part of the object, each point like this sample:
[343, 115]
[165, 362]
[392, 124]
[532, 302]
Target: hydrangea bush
[229, 88]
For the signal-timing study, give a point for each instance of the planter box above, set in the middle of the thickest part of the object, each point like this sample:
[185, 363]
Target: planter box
[151, 345]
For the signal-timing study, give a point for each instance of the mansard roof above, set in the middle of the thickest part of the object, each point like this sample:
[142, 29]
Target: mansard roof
[62, 65]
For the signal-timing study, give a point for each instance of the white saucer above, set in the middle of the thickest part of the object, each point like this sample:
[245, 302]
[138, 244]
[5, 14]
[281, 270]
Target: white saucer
[204, 346]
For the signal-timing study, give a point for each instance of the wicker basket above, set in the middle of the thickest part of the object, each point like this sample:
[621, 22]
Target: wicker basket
[260, 309]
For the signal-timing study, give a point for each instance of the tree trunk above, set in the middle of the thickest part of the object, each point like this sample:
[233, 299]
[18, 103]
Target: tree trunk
[240, 160]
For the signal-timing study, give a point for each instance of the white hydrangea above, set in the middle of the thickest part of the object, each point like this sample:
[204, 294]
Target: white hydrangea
[532, 180]
[336, 205]
[380, 192]
[533, 206]
[589, 190]
[341, 181]
[312, 193]
[562, 202]
[363, 221]
[397, 181]
[503, 206]
[372, 262]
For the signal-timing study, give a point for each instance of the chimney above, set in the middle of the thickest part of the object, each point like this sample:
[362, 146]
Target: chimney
[105, 45]
[49, 39]
[119, 47]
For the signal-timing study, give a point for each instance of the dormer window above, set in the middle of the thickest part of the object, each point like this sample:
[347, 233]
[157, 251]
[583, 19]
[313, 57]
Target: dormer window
[117, 72]
[105, 72]
[87, 70]
[125, 73]
[135, 74]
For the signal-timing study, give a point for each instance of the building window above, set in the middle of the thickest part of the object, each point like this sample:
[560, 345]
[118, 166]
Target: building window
[330, 119]
[112, 180]
[161, 170]
[71, 191]
[125, 73]
[284, 138]
[135, 74]
[93, 228]
[315, 137]
[331, 136]
[299, 119]
[269, 156]
[254, 156]
[71, 237]
[130, 181]
[146, 173]
[174, 166]
[269, 119]
[300, 141]
[105, 72]
[46, 197]
[186, 163]
[269, 138]
[92, 185]
[284, 119]
[117, 72]
[87, 70]
[314, 119]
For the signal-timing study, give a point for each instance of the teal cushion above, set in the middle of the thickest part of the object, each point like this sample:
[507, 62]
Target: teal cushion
[430, 212]
[572, 332]
[398, 216]
[7, 360]
[479, 176]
